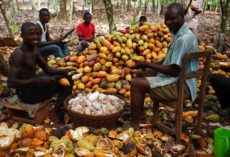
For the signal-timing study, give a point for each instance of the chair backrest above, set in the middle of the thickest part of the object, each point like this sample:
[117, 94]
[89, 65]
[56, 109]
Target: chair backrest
[194, 74]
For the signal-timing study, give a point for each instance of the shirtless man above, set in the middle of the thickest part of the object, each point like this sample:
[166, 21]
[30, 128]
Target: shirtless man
[30, 87]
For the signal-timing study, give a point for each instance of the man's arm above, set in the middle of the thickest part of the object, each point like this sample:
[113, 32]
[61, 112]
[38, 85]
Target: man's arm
[51, 70]
[81, 38]
[171, 70]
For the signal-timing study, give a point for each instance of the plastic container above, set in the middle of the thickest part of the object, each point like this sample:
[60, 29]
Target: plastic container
[222, 142]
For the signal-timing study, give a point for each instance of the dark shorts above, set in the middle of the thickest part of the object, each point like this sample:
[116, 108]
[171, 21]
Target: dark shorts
[39, 93]
[36, 94]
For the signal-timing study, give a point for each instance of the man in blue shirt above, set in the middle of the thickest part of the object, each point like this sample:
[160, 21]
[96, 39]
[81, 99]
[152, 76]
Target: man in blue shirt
[161, 81]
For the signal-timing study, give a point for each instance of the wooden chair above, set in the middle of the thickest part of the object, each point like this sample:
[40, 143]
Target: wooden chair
[178, 104]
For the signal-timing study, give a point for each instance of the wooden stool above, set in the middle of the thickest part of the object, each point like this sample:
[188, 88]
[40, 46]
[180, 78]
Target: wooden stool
[18, 113]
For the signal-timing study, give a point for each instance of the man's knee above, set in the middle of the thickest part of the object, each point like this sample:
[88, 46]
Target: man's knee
[56, 48]
[139, 83]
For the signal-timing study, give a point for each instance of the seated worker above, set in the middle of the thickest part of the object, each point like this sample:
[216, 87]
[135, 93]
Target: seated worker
[221, 85]
[49, 46]
[142, 20]
[30, 87]
[85, 31]
[161, 81]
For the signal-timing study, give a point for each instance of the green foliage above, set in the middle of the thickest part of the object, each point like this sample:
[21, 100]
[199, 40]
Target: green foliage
[14, 28]
[133, 22]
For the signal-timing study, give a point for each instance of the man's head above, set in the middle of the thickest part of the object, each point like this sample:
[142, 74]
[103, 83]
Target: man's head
[44, 15]
[174, 17]
[31, 34]
[142, 20]
[87, 18]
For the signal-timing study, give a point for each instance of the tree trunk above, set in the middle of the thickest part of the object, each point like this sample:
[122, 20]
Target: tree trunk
[32, 2]
[15, 6]
[123, 4]
[158, 7]
[109, 12]
[128, 5]
[48, 4]
[91, 6]
[71, 12]
[139, 10]
[223, 24]
[39, 4]
[83, 5]
[153, 6]
[118, 4]
[3, 66]
[146, 6]
[63, 11]
[6, 20]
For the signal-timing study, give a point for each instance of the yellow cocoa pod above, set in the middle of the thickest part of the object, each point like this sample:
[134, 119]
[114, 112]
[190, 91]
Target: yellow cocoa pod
[112, 78]
[139, 58]
[159, 44]
[128, 77]
[165, 44]
[108, 64]
[148, 56]
[92, 46]
[143, 28]
[154, 28]
[96, 81]
[106, 43]
[101, 74]
[111, 90]
[116, 49]
[154, 55]
[80, 85]
[130, 63]
[129, 43]
[96, 86]
[80, 70]
[81, 59]
[146, 51]
[87, 69]
[151, 46]
[122, 91]
[102, 55]
[64, 82]
[96, 66]
[125, 57]
[89, 84]
[103, 49]
[85, 79]
[102, 61]
[156, 49]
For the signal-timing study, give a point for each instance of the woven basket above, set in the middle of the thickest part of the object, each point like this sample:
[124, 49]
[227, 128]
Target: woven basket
[79, 119]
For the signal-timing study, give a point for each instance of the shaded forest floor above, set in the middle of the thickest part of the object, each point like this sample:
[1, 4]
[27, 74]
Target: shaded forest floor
[209, 23]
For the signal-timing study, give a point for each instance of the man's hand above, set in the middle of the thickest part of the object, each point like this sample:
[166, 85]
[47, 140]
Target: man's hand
[70, 71]
[58, 40]
[47, 80]
[140, 64]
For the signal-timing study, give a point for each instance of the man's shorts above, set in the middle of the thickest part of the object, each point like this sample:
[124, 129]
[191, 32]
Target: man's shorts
[168, 92]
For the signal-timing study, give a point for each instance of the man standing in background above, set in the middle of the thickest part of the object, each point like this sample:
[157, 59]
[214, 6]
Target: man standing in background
[192, 9]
